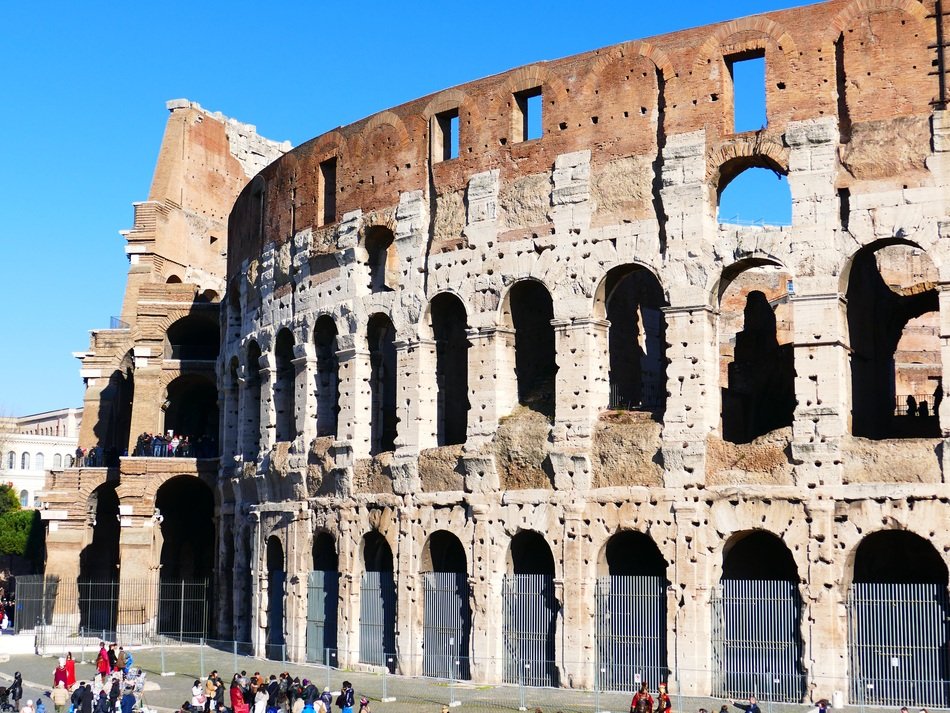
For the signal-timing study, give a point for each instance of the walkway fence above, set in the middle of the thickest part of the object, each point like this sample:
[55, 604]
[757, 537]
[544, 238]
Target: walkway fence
[899, 648]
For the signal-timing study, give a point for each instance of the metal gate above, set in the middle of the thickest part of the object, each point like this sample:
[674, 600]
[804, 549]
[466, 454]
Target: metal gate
[98, 606]
[378, 619]
[447, 625]
[631, 631]
[35, 596]
[323, 589]
[530, 622]
[756, 641]
[182, 608]
[898, 644]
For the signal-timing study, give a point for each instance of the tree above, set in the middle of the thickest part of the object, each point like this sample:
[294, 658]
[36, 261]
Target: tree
[21, 531]
[8, 499]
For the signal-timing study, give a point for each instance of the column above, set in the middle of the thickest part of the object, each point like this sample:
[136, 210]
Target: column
[268, 426]
[578, 657]
[492, 382]
[355, 400]
[689, 650]
[305, 396]
[487, 642]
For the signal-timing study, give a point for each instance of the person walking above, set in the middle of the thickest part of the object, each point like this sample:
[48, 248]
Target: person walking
[102, 662]
[70, 671]
[345, 699]
[642, 695]
[16, 689]
[60, 697]
[60, 675]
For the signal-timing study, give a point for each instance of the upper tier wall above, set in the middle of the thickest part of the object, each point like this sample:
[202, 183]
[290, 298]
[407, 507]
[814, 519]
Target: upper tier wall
[864, 61]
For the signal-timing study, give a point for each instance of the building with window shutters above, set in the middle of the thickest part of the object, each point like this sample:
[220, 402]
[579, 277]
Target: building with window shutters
[30, 445]
[502, 397]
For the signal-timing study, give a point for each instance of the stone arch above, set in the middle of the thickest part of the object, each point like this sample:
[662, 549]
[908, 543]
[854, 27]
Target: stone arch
[764, 26]
[894, 556]
[447, 615]
[385, 118]
[553, 90]
[528, 308]
[382, 257]
[756, 352]
[896, 383]
[857, 8]
[191, 410]
[327, 386]
[631, 553]
[250, 412]
[730, 158]
[443, 552]
[758, 554]
[377, 601]
[323, 587]
[631, 298]
[99, 560]
[381, 335]
[448, 325]
[193, 336]
[276, 567]
[329, 145]
[285, 386]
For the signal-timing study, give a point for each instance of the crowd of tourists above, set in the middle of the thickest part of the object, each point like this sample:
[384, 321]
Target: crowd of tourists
[277, 694]
[173, 445]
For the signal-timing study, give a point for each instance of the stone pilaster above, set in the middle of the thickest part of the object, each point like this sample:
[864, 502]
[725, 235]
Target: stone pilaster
[492, 383]
[355, 400]
[305, 397]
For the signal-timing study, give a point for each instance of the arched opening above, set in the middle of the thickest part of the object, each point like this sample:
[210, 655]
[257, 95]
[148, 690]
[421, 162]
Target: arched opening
[234, 310]
[631, 612]
[381, 336]
[98, 580]
[323, 587]
[24, 498]
[231, 425]
[193, 338]
[191, 414]
[756, 351]
[447, 620]
[530, 612]
[378, 603]
[757, 645]
[276, 576]
[898, 611]
[173, 280]
[25, 461]
[631, 299]
[754, 191]
[185, 509]
[115, 414]
[39, 462]
[382, 259]
[894, 330]
[11, 460]
[251, 404]
[57, 460]
[449, 323]
[328, 376]
[530, 311]
[284, 373]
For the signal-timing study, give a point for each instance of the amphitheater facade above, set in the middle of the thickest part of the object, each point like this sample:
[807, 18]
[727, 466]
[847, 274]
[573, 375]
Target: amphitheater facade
[503, 402]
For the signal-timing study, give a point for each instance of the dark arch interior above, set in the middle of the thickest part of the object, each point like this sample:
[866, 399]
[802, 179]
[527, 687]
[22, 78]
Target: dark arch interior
[898, 557]
[637, 339]
[377, 555]
[380, 252]
[759, 555]
[876, 319]
[530, 554]
[114, 419]
[275, 555]
[252, 410]
[535, 351]
[449, 323]
[192, 411]
[286, 426]
[173, 280]
[325, 557]
[444, 553]
[193, 337]
[328, 376]
[382, 354]
[276, 576]
[187, 508]
[98, 561]
[634, 554]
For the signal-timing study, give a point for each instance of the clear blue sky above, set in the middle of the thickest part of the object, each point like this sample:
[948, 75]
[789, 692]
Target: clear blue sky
[84, 109]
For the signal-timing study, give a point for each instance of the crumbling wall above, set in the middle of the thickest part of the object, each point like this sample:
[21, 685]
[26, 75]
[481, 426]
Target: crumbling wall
[626, 450]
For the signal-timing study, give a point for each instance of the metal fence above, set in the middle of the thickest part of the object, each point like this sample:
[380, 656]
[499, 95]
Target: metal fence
[756, 641]
[323, 589]
[132, 611]
[378, 619]
[531, 610]
[631, 631]
[898, 636]
[447, 625]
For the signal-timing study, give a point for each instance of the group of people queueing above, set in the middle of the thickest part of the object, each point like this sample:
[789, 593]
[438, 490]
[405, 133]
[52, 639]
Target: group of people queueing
[276, 694]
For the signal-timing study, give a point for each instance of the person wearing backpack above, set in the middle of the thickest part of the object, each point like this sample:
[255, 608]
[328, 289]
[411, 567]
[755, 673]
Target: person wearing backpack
[345, 700]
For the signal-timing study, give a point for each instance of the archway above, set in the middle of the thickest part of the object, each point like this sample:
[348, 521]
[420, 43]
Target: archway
[529, 311]
[756, 351]
[378, 603]
[276, 576]
[98, 580]
[449, 322]
[284, 372]
[185, 508]
[531, 609]
[192, 413]
[631, 612]
[382, 259]
[251, 404]
[193, 338]
[328, 376]
[757, 645]
[899, 622]
[447, 620]
[381, 336]
[893, 326]
[758, 195]
[323, 586]
[114, 418]
[631, 299]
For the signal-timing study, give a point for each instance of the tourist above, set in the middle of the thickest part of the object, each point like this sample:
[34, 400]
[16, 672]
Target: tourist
[113, 658]
[751, 707]
[120, 661]
[327, 699]
[345, 699]
[28, 708]
[16, 689]
[364, 705]
[128, 700]
[197, 696]
[60, 697]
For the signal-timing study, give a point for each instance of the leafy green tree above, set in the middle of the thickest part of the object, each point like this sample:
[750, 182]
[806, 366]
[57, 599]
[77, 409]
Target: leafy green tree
[8, 499]
[16, 527]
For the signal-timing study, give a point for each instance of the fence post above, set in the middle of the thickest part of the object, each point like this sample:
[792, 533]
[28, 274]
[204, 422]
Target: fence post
[201, 657]
[82, 645]
[386, 697]
[771, 692]
[234, 648]
[327, 662]
[283, 653]
[161, 651]
[597, 689]
[522, 671]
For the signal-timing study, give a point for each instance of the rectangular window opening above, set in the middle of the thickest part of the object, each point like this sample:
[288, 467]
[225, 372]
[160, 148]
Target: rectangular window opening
[747, 71]
[445, 143]
[529, 103]
[327, 193]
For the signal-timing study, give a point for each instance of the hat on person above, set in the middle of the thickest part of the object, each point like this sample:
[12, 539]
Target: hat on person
[326, 689]
[364, 700]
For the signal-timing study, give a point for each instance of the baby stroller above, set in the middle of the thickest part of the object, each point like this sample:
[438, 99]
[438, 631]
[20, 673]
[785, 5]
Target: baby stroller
[5, 704]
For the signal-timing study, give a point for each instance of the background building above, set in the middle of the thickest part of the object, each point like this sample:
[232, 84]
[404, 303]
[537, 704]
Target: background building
[33, 444]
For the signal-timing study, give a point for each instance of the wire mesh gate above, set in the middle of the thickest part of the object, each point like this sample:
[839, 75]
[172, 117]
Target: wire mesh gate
[530, 622]
[756, 642]
[35, 595]
[323, 588]
[898, 644]
[447, 625]
[631, 631]
[378, 619]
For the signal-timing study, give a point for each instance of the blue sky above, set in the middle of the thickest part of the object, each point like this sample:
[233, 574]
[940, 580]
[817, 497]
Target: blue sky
[84, 109]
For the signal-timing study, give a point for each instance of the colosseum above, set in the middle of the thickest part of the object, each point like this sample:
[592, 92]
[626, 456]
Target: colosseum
[504, 398]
